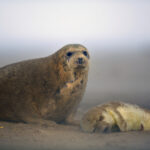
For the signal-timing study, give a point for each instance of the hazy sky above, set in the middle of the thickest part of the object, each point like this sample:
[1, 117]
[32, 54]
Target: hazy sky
[37, 28]
[73, 21]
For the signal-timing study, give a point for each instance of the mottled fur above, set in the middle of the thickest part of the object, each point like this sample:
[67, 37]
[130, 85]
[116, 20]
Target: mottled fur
[47, 88]
[116, 116]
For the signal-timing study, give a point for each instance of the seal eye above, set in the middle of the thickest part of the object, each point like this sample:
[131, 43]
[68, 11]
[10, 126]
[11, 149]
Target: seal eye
[69, 54]
[101, 118]
[85, 53]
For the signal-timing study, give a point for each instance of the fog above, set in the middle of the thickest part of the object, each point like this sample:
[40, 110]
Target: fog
[117, 35]
[116, 32]
[120, 76]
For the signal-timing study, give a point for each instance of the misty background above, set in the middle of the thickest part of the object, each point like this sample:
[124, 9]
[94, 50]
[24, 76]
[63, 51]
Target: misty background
[116, 33]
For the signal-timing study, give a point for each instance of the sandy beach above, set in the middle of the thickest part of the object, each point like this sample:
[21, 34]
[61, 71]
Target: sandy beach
[15, 136]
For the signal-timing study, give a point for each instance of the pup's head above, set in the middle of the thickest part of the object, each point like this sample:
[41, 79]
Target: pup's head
[97, 120]
[74, 57]
[91, 120]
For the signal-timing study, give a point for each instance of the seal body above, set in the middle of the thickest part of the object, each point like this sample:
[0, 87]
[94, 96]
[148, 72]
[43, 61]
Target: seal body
[116, 116]
[47, 88]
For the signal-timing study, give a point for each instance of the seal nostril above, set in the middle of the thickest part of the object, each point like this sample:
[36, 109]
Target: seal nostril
[80, 60]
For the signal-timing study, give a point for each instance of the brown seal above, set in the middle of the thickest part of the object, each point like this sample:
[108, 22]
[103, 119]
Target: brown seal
[116, 116]
[47, 88]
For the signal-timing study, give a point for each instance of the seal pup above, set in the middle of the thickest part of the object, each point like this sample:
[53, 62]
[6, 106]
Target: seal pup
[116, 116]
[48, 88]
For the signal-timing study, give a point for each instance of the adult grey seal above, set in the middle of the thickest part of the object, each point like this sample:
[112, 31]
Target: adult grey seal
[49, 88]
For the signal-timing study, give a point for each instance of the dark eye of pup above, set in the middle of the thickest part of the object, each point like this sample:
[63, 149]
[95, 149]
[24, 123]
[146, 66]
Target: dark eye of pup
[85, 53]
[69, 54]
[101, 118]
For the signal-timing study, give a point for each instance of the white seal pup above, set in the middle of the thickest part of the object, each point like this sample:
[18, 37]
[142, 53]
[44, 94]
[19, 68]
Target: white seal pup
[116, 116]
